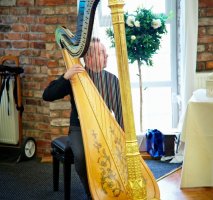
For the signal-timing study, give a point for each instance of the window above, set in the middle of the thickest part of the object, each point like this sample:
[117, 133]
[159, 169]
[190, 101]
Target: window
[160, 108]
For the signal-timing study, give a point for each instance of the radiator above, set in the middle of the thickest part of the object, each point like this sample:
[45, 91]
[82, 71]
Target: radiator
[9, 126]
[200, 80]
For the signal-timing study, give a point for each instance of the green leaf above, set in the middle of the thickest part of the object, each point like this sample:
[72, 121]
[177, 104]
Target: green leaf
[148, 38]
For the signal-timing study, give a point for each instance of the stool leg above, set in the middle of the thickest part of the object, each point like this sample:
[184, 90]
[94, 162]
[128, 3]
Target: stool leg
[67, 180]
[55, 174]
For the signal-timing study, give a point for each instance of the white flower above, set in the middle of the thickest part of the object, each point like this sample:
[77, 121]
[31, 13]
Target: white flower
[130, 21]
[133, 37]
[156, 23]
[137, 23]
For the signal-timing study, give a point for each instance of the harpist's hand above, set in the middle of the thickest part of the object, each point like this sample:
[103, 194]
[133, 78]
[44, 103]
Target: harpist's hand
[74, 70]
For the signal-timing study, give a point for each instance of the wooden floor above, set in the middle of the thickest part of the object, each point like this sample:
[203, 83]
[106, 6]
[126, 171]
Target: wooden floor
[170, 189]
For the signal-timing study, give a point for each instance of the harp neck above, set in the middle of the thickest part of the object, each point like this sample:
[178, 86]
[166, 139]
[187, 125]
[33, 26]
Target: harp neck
[78, 44]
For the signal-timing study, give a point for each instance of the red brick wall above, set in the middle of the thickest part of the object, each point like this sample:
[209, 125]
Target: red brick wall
[205, 36]
[27, 30]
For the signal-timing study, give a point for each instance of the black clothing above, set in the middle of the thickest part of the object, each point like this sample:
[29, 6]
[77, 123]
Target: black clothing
[58, 89]
[76, 143]
[107, 85]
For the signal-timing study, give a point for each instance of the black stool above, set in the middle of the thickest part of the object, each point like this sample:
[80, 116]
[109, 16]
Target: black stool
[62, 152]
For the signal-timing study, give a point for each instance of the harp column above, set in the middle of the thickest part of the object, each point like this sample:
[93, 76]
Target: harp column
[136, 183]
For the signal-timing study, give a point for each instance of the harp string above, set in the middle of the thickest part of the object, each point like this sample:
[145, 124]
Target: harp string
[107, 88]
[92, 53]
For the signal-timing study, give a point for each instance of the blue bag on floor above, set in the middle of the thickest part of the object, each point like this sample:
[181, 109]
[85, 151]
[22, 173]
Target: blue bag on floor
[155, 143]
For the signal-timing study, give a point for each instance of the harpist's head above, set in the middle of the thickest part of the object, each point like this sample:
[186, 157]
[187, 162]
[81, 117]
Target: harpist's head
[96, 56]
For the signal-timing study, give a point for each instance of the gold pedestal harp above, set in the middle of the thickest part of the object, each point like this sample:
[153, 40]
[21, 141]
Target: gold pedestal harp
[114, 165]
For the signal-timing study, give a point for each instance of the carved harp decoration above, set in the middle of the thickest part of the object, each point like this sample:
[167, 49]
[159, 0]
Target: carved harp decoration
[114, 166]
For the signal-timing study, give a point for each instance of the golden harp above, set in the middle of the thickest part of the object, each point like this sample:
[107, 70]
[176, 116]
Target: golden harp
[114, 165]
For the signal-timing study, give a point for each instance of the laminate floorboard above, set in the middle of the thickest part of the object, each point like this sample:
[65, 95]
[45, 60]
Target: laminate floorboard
[170, 189]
